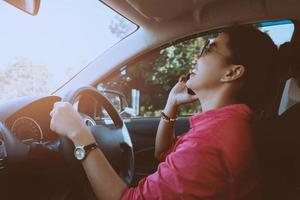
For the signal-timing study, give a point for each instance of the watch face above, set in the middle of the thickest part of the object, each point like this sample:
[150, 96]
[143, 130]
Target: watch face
[79, 153]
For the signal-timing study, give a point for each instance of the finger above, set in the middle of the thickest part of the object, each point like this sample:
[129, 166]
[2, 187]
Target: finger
[57, 107]
[194, 97]
[182, 78]
[56, 104]
[52, 125]
[61, 104]
[51, 113]
[68, 106]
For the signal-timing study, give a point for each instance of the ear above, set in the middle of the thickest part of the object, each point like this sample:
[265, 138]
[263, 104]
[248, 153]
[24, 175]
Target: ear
[233, 73]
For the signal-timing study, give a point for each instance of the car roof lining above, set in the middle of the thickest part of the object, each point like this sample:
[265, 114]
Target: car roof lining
[202, 16]
[157, 10]
[150, 12]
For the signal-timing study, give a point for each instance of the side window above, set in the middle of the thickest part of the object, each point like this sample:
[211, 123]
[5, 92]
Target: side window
[280, 32]
[147, 82]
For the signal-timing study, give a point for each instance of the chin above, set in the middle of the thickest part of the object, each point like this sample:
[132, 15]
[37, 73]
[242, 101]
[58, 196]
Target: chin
[189, 85]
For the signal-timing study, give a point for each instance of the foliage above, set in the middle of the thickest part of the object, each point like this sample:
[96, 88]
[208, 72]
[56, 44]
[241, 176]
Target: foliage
[120, 27]
[155, 74]
[23, 78]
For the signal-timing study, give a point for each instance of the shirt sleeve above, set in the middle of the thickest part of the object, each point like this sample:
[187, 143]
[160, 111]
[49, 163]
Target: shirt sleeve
[164, 154]
[191, 172]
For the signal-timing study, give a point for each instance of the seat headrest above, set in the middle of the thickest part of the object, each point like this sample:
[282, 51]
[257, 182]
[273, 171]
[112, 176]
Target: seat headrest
[289, 60]
[289, 53]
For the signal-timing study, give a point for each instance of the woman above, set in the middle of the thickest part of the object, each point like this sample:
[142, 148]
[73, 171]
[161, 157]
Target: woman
[216, 158]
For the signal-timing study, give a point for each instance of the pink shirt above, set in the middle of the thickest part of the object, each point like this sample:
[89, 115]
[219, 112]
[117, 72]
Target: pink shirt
[215, 159]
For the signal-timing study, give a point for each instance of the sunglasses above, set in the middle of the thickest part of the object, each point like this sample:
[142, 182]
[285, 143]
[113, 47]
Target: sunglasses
[209, 46]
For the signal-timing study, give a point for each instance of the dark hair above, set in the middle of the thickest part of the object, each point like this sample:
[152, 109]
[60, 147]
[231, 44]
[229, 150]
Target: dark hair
[256, 51]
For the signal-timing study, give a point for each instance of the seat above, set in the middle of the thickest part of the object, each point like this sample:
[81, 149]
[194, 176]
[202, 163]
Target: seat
[278, 139]
[279, 156]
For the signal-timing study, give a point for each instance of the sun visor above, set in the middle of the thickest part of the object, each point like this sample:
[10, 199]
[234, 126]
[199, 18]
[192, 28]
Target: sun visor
[164, 10]
[235, 11]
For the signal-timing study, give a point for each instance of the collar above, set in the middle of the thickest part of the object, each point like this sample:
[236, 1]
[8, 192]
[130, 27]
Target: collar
[233, 110]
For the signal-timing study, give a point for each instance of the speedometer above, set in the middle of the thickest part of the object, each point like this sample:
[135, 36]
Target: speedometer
[27, 130]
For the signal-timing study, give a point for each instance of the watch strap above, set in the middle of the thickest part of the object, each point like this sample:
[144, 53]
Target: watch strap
[90, 147]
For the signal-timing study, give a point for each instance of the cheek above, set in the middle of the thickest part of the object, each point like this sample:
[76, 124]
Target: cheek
[208, 74]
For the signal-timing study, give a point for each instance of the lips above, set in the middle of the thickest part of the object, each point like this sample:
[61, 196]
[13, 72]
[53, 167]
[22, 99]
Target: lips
[191, 74]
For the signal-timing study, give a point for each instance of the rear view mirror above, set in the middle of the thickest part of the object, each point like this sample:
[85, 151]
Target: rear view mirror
[29, 6]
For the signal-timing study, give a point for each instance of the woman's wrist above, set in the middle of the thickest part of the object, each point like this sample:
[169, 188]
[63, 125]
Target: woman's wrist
[82, 136]
[171, 109]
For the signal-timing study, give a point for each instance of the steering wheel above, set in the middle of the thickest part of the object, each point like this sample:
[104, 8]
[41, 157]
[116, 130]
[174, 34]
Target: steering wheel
[12, 148]
[114, 140]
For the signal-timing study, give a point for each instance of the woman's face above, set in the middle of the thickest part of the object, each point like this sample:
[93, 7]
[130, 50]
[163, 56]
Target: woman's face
[211, 66]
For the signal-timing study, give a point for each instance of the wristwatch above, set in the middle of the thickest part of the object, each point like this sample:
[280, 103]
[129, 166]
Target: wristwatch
[81, 151]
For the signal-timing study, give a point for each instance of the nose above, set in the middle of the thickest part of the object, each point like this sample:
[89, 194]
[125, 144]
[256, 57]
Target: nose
[192, 71]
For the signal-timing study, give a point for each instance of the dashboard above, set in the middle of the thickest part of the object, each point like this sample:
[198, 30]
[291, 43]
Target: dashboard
[29, 118]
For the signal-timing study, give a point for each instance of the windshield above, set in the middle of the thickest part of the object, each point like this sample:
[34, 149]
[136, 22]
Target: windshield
[39, 54]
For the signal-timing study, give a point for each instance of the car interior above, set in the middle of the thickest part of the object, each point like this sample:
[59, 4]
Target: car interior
[46, 170]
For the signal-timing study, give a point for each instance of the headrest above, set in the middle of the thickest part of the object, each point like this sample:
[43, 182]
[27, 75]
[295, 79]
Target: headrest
[289, 61]
[289, 53]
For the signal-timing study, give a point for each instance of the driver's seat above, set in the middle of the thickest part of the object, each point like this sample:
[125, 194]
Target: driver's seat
[279, 142]
[279, 154]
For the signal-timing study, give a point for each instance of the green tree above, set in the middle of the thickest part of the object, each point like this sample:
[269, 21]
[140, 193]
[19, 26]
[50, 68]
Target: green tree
[174, 61]
[120, 27]
[155, 74]
[23, 78]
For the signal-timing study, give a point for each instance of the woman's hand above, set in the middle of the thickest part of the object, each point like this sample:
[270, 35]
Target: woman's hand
[179, 95]
[67, 122]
